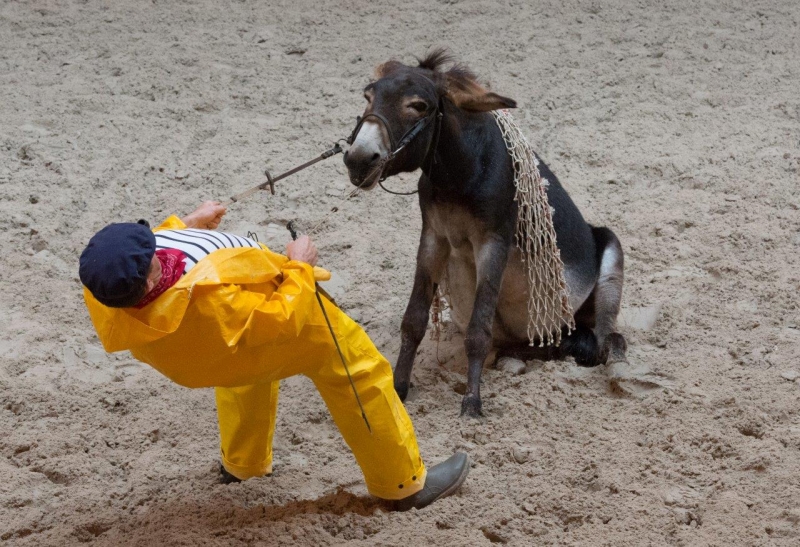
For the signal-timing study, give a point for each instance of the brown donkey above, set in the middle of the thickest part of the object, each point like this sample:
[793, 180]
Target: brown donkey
[423, 117]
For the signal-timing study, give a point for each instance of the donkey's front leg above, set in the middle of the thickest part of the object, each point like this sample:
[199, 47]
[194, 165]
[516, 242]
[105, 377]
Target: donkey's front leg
[490, 264]
[431, 260]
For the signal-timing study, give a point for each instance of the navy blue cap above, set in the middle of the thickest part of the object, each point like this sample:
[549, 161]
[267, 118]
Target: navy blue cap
[115, 263]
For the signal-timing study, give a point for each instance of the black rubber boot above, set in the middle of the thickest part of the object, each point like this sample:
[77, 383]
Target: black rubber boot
[225, 477]
[443, 479]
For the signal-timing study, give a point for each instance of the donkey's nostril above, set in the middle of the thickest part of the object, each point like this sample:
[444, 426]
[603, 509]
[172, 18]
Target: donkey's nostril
[361, 157]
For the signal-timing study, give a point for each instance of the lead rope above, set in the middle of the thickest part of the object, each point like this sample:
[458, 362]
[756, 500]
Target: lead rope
[346, 195]
[270, 183]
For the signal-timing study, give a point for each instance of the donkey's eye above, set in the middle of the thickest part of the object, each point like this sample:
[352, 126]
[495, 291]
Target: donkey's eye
[419, 106]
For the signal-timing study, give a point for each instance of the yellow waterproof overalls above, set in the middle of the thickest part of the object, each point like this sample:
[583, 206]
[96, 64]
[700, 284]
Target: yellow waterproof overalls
[242, 319]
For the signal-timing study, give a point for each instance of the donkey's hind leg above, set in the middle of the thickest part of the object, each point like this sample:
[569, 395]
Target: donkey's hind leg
[524, 352]
[580, 344]
[608, 296]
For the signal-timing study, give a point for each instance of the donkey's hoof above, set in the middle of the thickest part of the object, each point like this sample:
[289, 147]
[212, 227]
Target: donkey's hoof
[471, 406]
[402, 390]
[513, 366]
[615, 348]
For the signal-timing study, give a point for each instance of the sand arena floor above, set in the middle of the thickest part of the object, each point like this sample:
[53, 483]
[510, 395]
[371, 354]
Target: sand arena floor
[676, 123]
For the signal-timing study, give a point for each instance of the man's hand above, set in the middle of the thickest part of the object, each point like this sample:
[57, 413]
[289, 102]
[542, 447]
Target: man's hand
[302, 250]
[205, 217]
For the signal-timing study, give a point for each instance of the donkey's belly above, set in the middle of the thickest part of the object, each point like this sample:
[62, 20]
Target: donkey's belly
[511, 318]
[510, 325]
[461, 287]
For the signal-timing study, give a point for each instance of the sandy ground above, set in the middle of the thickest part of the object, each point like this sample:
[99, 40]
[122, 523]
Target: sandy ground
[676, 125]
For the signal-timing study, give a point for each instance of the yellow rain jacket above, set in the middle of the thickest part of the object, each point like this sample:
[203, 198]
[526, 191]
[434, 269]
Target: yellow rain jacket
[240, 320]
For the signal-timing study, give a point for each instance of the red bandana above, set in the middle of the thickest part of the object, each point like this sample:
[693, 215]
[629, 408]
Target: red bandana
[172, 267]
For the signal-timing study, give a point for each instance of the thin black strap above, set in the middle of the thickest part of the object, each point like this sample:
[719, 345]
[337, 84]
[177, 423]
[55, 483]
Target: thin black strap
[341, 356]
[380, 182]
[317, 290]
[431, 157]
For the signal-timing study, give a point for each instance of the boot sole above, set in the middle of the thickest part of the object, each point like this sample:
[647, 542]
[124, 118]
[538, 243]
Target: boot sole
[459, 481]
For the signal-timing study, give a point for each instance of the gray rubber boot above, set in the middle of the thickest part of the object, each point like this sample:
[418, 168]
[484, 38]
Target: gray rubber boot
[443, 479]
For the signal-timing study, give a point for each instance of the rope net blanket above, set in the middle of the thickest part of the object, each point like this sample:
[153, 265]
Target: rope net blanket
[548, 300]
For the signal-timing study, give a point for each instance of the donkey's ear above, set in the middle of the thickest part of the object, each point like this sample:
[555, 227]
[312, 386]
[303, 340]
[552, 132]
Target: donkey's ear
[387, 68]
[468, 94]
[483, 103]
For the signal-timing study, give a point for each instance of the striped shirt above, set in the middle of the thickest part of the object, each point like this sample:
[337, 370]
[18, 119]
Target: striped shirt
[198, 244]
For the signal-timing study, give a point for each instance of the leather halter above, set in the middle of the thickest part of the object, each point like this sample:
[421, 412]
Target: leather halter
[408, 136]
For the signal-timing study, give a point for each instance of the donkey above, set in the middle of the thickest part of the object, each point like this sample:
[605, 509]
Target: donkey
[439, 120]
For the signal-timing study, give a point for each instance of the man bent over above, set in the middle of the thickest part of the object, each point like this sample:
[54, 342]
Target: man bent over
[212, 309]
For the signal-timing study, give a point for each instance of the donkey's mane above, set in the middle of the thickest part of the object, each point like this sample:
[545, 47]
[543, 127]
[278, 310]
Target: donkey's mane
[434, 64]
[437, 58]
[458, 83]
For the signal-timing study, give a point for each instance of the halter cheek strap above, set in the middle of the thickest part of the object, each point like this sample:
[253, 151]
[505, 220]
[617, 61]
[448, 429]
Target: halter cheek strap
[409, 136]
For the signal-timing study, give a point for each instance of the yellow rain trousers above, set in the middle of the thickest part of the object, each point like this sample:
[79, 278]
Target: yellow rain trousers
[241, 320]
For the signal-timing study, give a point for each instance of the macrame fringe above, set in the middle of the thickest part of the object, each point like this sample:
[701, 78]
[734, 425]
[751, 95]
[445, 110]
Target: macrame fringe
[549, 309]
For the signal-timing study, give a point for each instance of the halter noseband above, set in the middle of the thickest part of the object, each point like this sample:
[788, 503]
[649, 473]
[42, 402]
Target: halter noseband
[410, 135]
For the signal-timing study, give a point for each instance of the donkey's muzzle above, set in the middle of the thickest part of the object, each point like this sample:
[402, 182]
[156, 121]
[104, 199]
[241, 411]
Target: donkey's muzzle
[364, 165]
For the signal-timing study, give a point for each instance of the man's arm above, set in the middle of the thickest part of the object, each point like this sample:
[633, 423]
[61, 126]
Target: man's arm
[206, 217]
[280, 318]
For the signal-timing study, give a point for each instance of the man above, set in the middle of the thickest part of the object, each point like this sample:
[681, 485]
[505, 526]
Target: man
[210, 309]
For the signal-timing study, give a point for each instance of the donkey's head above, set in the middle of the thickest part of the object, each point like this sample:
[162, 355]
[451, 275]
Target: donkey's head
[403, 102]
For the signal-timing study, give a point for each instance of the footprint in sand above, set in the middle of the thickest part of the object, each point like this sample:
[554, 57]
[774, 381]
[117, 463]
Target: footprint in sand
[636, 379]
